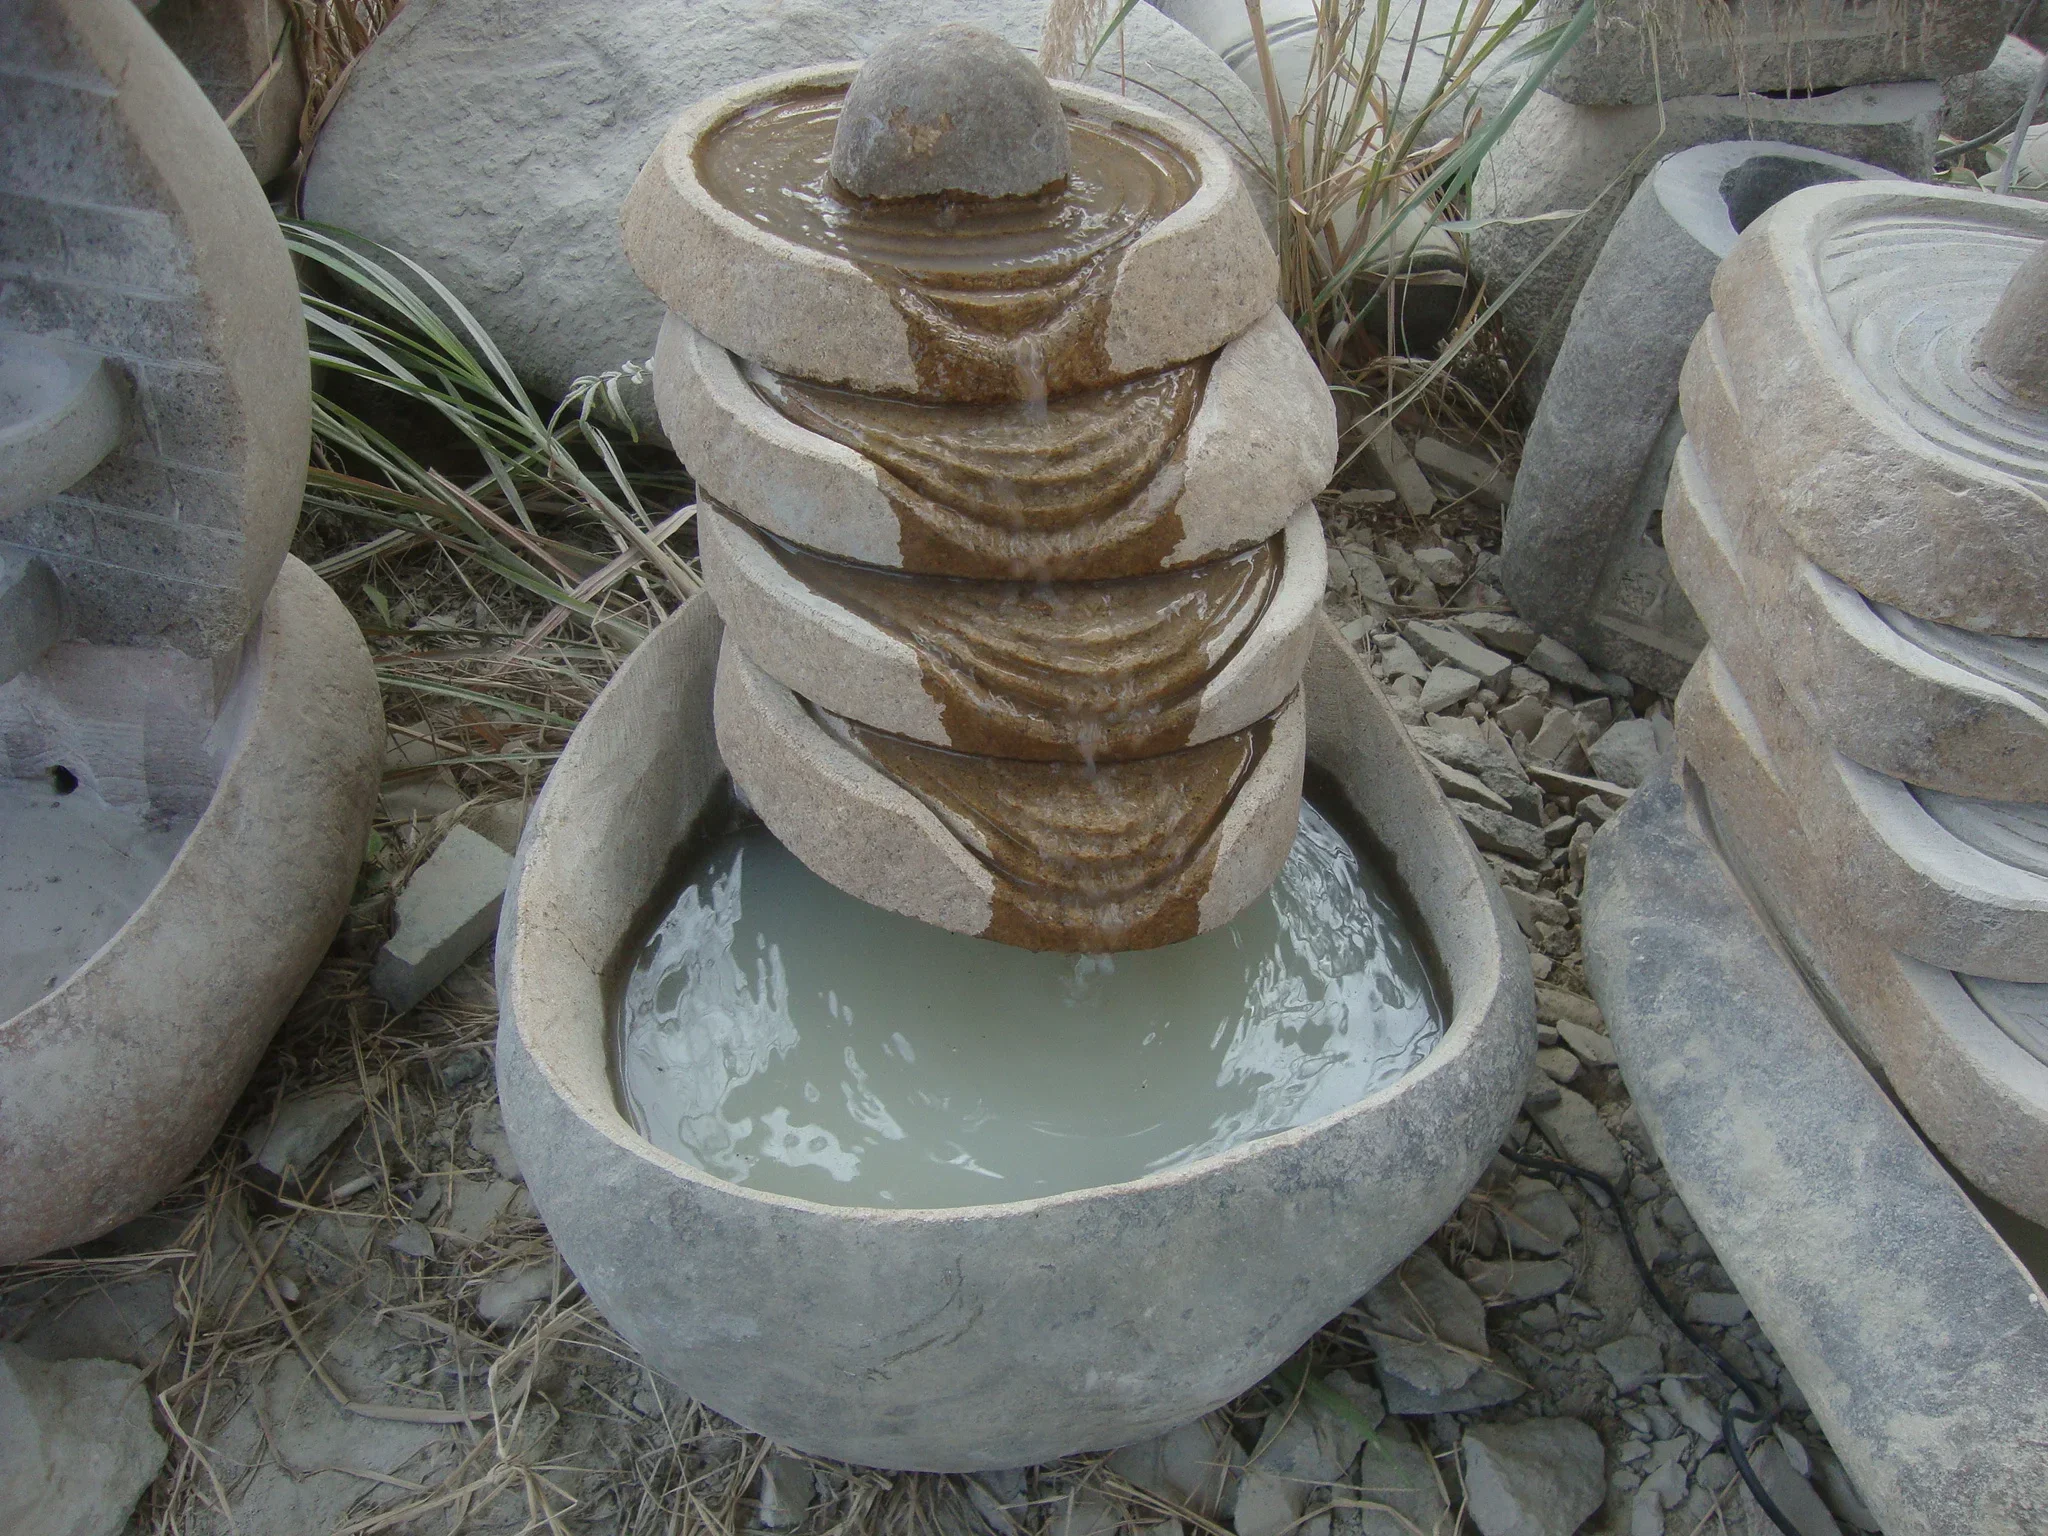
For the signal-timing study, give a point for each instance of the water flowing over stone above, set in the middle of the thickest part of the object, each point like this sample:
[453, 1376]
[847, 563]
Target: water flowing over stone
[1094, 732]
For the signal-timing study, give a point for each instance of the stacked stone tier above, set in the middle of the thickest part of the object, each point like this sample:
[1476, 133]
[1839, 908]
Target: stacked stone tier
[1161, 260]
[1878, 765]
[1011, 535]
[1966, 1055]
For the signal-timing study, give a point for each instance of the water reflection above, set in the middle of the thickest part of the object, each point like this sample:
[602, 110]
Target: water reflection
[781, 1034]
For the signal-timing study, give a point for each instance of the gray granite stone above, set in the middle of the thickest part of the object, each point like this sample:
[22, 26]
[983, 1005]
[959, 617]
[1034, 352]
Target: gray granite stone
[949, 109]
[1597, 456]
[1558, 158]
[1864, 1261]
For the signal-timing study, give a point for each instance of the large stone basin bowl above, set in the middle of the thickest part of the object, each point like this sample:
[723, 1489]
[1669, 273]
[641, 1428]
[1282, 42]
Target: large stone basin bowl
[113, 1083]
[988, 1336]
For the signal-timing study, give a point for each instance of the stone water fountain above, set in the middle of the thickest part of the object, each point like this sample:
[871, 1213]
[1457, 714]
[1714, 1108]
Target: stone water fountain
[189, 728]
[1005, 458]
[1821, 942]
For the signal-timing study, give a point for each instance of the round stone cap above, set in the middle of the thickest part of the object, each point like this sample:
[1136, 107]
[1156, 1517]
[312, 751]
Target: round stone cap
[950, 109]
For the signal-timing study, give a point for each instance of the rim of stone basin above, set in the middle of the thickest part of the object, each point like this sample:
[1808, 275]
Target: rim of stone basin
[1190, 283]
[962, 1338]
[1479, 986]
[119, 1076]
[1835, 411]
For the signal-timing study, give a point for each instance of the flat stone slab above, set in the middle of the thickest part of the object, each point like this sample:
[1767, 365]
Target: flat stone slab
[1261, 442]
[445, 913]
[1912, 1330]
[1556, 156]
[1850, 318]
[872, 837]
[1598, 453]
[1637, 51]
[1947, 708]
[1968, 1058]
[991, 1336]
[494, 140]
[1959, 885]
[824, 646]
[1196, 279]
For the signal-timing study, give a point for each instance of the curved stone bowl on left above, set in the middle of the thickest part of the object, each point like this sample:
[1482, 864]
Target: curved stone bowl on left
[822, 647]
[112, 1085]
[987, 1336]
[1197, 278]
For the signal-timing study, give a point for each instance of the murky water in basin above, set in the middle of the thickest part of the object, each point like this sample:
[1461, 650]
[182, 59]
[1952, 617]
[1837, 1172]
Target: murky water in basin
[778, 1033]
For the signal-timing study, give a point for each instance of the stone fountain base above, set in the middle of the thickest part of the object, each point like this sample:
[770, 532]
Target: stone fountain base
[1917, 1336]
[992, 1336]
[113, 1083]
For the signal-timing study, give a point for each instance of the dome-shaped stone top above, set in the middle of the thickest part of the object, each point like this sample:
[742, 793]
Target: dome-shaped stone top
[950, 109]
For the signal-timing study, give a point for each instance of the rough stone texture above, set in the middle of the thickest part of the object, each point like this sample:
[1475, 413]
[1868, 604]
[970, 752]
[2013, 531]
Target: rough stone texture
[31, 613]
[1262, 442]
[1429, 1327]
[1542, 1477]
[1193, 281]
[62, 410]
[874, 839]
[1596, 458]
[1863, 1259]
[78, 1445]
[227, 46]
[1930, 882]
[1976, 1083]
[154, 248]
[981, 1337]
[1964, 713]
[1985, 100]
[447, 910]
[828, 653]
[1875, 445]
[495, 141]
[1195, 1465]
[115, 1082]
[952, 108]
[2014, 342]
[291, 1141]
[1557, 156]
[1639, 51]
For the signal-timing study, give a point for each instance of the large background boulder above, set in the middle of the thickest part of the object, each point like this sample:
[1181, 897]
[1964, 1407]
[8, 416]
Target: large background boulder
[494, 140]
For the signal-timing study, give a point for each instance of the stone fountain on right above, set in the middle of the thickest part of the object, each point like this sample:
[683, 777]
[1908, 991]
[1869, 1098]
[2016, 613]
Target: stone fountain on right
[1821, 941]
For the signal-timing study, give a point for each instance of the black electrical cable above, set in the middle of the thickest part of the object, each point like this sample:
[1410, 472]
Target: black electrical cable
[1759, 1413]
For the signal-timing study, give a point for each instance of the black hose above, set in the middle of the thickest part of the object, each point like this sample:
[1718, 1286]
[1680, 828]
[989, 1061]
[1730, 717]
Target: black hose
[1758, 1411]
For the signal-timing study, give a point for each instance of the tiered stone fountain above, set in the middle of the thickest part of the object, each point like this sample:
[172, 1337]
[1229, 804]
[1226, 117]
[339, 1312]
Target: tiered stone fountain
[1006, 458]
[189, 729]
[1857, 513]
[1025, 663]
